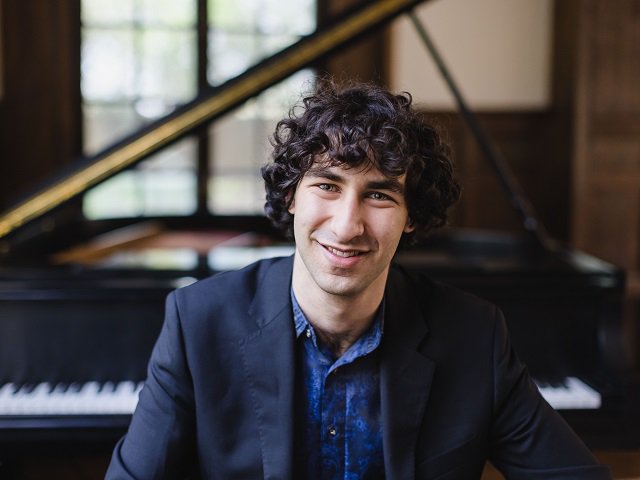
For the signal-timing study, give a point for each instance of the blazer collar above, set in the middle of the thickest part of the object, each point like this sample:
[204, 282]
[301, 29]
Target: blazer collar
[405, 376]
[269, 361]
[272, 291]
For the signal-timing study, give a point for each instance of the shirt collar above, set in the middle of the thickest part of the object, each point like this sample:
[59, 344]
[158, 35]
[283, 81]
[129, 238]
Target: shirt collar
[368, 342]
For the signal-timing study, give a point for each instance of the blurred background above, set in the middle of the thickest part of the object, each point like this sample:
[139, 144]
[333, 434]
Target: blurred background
[554, 83]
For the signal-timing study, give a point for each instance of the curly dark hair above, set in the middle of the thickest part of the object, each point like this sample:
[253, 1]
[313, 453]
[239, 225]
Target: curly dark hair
[362, 125]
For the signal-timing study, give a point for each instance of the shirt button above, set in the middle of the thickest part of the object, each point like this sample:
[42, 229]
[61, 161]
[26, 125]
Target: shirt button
[308, 333]
[332, 430]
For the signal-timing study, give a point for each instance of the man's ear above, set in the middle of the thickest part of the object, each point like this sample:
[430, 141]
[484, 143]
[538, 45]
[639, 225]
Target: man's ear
[291, 199]
[408, 228]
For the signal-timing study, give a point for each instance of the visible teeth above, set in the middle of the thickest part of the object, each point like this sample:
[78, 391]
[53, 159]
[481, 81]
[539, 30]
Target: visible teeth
[340, 253]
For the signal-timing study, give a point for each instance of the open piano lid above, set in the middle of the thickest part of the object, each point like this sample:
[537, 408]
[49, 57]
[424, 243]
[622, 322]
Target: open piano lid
[34, 215]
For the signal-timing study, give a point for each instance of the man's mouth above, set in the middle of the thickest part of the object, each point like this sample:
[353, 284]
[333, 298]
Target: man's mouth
[343, 253]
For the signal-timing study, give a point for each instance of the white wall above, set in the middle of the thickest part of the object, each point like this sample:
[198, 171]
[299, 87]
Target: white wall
[498, 51]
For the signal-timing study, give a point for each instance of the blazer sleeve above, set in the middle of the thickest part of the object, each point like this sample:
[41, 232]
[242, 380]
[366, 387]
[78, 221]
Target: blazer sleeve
[529, 439]
[160, 438]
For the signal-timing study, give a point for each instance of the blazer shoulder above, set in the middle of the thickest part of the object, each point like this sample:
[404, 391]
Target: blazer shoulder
[439, 295]
[233, 284]
[445, 307]
[229, 295]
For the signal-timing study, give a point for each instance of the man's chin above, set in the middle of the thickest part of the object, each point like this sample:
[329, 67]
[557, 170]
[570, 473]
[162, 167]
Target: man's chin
[341, 285]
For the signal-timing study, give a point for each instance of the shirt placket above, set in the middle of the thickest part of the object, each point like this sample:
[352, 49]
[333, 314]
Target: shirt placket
[333, 425]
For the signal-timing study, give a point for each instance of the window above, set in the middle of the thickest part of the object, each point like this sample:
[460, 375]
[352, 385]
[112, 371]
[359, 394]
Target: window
[240, 145]
[139, 61]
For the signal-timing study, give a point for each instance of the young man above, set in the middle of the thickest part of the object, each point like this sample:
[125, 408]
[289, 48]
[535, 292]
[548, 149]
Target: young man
[332, 364]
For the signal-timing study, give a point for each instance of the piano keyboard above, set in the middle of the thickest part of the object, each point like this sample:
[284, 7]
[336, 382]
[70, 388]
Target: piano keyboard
[91, 398]
[120, 398]
[570, 394]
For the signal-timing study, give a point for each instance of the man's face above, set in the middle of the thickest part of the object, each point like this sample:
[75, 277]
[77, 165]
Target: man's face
[347, 226]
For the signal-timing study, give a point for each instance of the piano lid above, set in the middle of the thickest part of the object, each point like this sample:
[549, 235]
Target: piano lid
[203, 110]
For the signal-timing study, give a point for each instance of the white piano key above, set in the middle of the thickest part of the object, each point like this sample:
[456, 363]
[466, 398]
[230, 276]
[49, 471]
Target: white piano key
[90, 398]
[125, 396]
[37, 401]
[6, 391]
[573, 394]
[122, 398]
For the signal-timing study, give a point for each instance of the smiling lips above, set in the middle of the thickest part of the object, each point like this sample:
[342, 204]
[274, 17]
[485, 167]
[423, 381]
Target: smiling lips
[343, 253]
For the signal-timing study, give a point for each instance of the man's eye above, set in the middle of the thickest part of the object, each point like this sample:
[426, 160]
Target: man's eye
[378, 196]
[326, 187]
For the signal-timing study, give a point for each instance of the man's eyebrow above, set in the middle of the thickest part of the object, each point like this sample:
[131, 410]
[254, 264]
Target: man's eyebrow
[390, 184]
[321, 172]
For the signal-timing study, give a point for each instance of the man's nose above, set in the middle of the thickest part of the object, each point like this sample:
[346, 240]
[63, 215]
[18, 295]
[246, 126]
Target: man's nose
[348, 219]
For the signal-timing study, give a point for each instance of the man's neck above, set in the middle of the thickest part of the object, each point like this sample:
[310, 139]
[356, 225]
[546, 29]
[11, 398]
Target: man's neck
[338, 320]
[338, 326]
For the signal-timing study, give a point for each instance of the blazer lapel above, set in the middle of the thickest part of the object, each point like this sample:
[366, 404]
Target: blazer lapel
[405, 378]
[269, 365]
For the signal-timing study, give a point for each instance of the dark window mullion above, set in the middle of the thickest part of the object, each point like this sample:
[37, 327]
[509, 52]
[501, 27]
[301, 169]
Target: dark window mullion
[137, 29]
[203, 133]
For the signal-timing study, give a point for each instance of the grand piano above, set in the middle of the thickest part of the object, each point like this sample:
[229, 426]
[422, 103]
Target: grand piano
[77, 322]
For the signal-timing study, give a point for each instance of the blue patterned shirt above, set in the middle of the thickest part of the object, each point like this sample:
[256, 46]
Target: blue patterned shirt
[338, 424]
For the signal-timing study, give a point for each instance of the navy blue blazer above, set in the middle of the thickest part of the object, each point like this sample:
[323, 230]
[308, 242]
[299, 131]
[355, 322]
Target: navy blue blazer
[218, 402]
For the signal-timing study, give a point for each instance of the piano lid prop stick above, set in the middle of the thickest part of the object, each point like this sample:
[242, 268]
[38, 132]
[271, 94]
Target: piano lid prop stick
[531, 222]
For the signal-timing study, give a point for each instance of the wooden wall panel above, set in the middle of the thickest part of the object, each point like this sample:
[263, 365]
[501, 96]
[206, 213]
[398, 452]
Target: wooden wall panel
[531, 146]
[615, 159]
[613, 225]
[1, 60]
[40, 122]
[613, 66]
[606, 140]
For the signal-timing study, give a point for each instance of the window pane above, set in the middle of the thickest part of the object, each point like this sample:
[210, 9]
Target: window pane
[133, 74]
[293, 17]
[176, 13]
[243, 32]
[168, 65]
[240, 146]
[164, 184]
[108, 64]
[274, 43]
[237, 194]
[106, 123]
[99, 202]
[230, 54]
[112, 12]
[234, 15]
[139, 61]
[264, 16]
